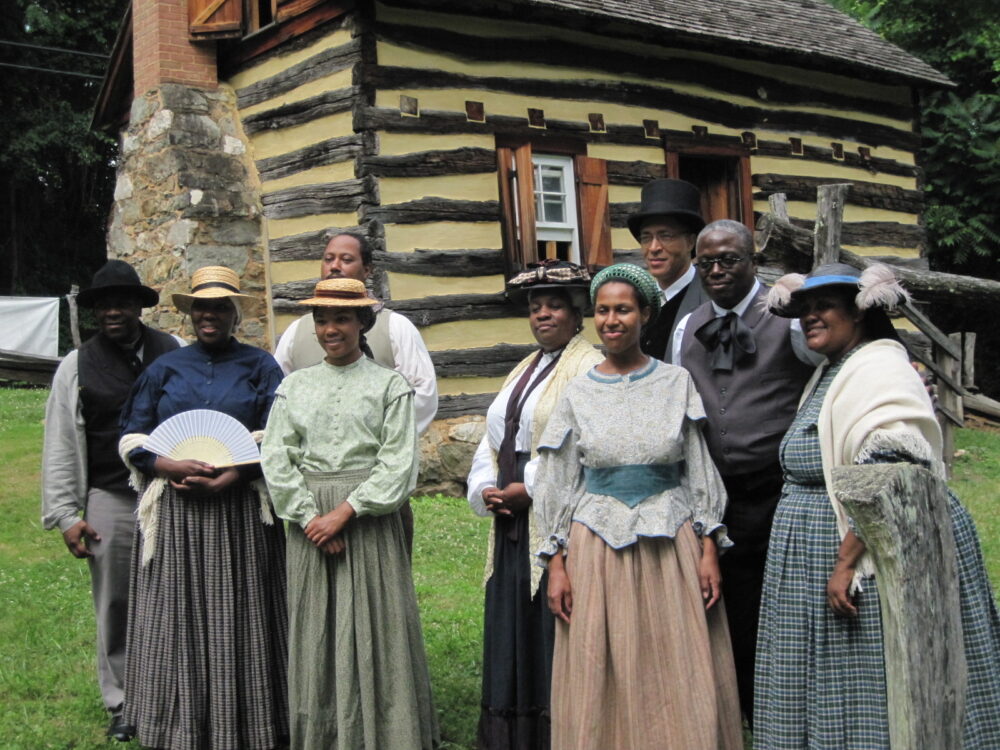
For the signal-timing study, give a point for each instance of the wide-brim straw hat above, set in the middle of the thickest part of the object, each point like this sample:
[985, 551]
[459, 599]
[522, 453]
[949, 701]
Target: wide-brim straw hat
[117, 277]
[213, 282]
[340, 293]
[874, 288]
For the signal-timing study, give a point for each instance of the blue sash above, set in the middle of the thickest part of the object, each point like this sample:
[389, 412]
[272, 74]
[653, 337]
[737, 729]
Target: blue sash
[633, 483]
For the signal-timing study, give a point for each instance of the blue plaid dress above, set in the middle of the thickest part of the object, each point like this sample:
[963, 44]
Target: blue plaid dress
[820, 678]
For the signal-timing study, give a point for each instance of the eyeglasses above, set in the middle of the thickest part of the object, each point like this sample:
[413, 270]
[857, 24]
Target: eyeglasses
[726, 261]
[663, 238]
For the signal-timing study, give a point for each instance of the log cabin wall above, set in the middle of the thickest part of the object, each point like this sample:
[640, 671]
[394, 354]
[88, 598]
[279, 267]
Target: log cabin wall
[389, 118]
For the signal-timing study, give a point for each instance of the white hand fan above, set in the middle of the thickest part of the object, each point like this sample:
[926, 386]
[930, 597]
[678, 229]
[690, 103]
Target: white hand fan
[205, 435]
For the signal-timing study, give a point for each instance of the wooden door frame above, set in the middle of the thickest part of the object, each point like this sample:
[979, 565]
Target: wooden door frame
[673, 152]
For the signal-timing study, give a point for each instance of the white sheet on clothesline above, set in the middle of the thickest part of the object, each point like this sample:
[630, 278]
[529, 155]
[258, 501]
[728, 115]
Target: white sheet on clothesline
[30, 325]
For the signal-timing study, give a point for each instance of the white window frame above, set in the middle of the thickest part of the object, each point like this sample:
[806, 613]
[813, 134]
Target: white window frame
[564, 231]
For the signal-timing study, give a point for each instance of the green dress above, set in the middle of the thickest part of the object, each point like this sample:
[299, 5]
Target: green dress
[357, 670]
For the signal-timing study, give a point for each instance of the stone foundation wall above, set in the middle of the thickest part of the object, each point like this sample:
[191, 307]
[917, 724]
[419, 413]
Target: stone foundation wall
[187, 195]
[446, 451]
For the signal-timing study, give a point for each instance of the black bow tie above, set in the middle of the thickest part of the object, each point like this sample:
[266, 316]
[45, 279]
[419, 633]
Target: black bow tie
[723, 338]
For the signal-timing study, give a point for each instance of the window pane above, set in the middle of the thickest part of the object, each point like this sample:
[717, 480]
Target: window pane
[554, 210]
[552, 180]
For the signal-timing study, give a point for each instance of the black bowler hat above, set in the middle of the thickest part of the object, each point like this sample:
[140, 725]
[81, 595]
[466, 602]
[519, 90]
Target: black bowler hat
[117, 277]
[674, 198]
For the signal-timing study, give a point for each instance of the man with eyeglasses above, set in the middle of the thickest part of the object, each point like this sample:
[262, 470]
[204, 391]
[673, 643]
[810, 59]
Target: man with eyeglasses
[750, 368]
[666, 224]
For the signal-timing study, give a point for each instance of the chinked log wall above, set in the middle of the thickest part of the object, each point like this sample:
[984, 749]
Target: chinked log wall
[360, 196]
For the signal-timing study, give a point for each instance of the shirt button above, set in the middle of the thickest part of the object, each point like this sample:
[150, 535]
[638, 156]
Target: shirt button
[722, 410]
[208, 382]
[722, 391]
[722, 432]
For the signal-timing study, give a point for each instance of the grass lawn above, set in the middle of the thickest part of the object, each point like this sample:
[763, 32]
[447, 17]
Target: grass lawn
[48, 691]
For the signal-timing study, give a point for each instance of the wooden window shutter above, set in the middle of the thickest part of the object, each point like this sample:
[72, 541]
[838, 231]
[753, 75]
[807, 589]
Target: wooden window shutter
[517, 199]
[508, 218]
[215, 19]
[595, 212]
[524, 179]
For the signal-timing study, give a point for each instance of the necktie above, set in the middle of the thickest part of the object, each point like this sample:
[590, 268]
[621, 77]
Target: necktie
[507, 455]
[727, 339]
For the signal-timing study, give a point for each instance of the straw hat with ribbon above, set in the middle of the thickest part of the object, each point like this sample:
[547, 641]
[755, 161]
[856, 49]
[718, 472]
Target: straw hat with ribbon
[213, 282]
[340, 293]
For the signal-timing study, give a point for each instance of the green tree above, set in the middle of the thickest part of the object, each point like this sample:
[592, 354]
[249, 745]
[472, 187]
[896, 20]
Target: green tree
[960, 154]
[58, 173]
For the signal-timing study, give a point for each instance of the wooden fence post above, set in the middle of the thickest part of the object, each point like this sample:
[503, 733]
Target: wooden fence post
[969, 360]
[74, 315]
[950, 406]
[829, 220]
[901, 512]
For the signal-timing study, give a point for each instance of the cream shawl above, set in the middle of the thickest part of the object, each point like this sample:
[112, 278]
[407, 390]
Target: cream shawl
[150, 491]
[577, 358]
[877, 401]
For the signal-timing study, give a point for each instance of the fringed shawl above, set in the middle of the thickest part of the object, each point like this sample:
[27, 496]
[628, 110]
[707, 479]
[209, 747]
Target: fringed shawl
[876, 403]
[150, 492]
[577, 358]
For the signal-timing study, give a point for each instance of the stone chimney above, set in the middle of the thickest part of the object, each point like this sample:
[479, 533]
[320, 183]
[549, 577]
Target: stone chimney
[187, 193]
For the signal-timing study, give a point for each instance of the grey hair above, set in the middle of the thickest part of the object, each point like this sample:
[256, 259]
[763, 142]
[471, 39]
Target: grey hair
[744, 235]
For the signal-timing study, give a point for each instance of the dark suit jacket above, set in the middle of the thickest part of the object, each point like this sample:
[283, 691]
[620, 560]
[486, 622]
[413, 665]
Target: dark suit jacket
[658, 335]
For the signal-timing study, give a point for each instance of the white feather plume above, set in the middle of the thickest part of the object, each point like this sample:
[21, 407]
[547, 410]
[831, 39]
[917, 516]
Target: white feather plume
[780, 295]
[879, 288]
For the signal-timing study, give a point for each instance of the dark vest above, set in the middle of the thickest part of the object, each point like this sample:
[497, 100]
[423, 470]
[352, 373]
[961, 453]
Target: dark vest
[105, 379]
[750, 408]
[658, 336]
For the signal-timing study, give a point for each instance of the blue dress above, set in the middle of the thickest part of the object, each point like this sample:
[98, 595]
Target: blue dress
[206, 653]
[820, 678]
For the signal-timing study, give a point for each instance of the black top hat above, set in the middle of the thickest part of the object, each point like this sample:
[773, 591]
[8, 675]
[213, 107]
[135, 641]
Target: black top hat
[675, 198]
[117, 276]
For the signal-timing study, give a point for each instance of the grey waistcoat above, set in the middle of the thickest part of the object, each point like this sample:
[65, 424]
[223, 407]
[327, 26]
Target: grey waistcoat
[750, 408]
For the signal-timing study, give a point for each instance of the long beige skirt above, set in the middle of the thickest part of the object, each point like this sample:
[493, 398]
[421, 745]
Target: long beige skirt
[641, 663]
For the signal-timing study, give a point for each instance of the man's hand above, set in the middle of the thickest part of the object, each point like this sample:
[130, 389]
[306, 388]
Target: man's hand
[76, 537]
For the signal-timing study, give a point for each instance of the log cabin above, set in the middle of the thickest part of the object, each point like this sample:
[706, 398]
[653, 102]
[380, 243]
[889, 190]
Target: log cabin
[470, 138]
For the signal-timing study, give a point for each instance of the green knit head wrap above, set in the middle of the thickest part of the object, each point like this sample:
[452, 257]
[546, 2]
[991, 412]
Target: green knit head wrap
[645, 285]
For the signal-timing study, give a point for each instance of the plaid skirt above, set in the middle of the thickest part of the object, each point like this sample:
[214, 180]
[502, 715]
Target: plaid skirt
[820, 678]
[206, 653]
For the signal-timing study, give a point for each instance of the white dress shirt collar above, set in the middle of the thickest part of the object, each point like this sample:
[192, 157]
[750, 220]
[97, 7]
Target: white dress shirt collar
[743, 303]
[678, 286]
